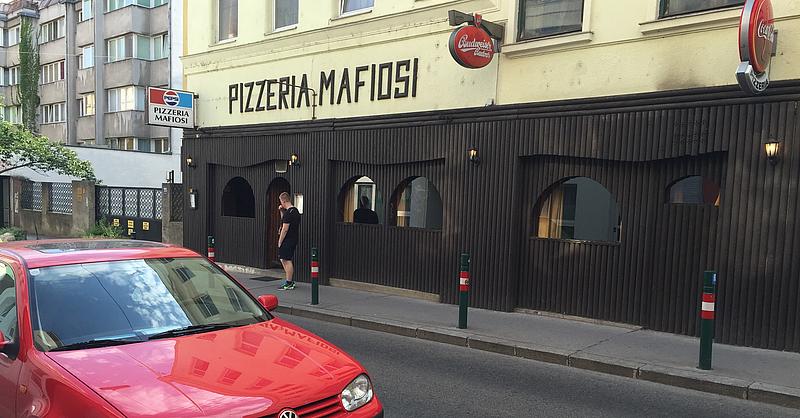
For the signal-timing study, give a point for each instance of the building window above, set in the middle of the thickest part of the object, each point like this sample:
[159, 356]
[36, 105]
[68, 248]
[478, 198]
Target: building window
[13, 114]
[350, 6]
[125, 144]
[694, 190]
[13, 76]
[52, 72]
[86, 104]
[154, 145]
[86, 10]
[228, 11]
[578, 209]
[13, 35]
[285, 14]
[117, 50]
[238, 199]
[540, 18]
[87, 57]
[126, 98]
[54, 113]
[152, 48]
[679, 7]
[51, 31]
[3, 76]
[360, 202]
[417, 204]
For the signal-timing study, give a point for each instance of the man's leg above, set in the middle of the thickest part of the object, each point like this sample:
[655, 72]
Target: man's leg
[288, 268]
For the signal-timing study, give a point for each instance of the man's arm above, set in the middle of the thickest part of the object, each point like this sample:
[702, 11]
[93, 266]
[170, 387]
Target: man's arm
[284, 230]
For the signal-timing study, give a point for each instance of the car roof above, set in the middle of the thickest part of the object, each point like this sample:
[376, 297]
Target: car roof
[56, 252]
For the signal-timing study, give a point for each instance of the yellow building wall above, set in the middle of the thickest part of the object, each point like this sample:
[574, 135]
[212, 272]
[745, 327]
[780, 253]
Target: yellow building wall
[622, 49]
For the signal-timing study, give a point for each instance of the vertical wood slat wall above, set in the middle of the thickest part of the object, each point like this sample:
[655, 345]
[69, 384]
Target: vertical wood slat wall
[634, 146]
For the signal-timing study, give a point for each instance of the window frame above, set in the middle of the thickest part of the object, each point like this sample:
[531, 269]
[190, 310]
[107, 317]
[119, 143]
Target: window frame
[585, 8]
[342, 13]
[663, 5]
[275, 27]
[119, 107]
[52, 110]
[218, 26]
[397, 195]
[52, 72]
[84, 17]
[17, 30]
[83, 55]
[83, 107]
[52, 30]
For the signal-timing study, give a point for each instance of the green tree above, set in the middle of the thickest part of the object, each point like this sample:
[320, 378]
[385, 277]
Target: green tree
[21, 148]
[28, 91]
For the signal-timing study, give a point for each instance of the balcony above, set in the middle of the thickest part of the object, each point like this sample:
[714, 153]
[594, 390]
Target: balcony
[53, 51]
[85, 128]
[53, 92]
[136, 72]
[54, 131]
[132, 124]
[85, 81]
[136, 19]
[85, 33]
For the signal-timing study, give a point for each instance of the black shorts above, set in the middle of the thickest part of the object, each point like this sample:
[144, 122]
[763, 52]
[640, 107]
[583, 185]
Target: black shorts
[286, 251]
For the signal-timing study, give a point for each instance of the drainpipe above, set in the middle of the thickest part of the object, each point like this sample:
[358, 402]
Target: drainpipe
[100, 95]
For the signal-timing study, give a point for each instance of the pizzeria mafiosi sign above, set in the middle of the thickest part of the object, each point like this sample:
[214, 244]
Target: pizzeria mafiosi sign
[757, 40]
[373, 82]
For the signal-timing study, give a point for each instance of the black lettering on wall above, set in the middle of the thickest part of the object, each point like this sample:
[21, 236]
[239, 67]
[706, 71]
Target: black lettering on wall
[359, 82]
[344, 86]
[326, 82]
[402, 78]
[294, 92]
[241, 97]
[372, 84]
[414, 78]
[270, 94]
[247, 107]
[233, 95]
[304, 92]
[385, 68]
[260, 84]
[283, 91]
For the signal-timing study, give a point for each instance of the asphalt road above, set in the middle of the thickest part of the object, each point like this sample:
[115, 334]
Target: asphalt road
[416, 378]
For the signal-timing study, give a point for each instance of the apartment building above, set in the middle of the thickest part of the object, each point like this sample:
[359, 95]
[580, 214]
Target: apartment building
[97, 59]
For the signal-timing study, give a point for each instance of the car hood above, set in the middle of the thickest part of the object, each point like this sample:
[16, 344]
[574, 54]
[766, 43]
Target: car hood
[253, 370]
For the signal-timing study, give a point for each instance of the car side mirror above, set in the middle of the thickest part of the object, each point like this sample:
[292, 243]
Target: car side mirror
[269, 302]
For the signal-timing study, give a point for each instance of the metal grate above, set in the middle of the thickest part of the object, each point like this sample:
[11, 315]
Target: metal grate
[101, 201]
[159, 195]
[31, 196]
[116, 199]
[60, 198]
[176, 203]
[131, 203]
[146, 203]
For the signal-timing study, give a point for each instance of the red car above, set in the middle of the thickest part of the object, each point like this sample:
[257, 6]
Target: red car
[114, 328]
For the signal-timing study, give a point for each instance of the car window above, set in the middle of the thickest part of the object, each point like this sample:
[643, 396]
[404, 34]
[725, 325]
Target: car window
[8, 303]
[133, 299]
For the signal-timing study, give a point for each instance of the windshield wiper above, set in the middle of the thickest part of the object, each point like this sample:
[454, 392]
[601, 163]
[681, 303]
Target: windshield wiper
[191, 329]
[95, 344]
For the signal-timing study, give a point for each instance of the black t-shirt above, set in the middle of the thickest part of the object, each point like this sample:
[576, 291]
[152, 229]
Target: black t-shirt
[365, 216]
[292, 217]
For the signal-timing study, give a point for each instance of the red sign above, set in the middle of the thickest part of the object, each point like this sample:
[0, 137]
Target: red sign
[471, 47]
[757, 40]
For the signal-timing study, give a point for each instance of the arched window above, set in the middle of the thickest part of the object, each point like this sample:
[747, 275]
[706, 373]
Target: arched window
[694, 190]
[417, 204]
[580, 209]
[360, 201]
[238, 199]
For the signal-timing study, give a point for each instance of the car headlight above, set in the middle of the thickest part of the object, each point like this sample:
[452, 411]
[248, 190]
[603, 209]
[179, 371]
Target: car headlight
[357, 394]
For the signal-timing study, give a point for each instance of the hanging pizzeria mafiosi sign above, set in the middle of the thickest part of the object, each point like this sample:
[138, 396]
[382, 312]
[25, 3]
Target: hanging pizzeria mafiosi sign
[757, 40]
[471, 46]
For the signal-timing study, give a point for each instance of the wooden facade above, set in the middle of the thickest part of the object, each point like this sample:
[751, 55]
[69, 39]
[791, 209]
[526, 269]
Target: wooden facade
[635, 146]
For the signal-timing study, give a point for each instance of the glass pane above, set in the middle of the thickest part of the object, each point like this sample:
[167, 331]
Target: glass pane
[228, 19]
[676, 7]
[8, 303]
[361, 202]
[695, 190]
[143, 47]
[551, 17]
[285, 13]
[419, 205]
[133, 299]
[87, 9]
[353, 5]
[579, 209]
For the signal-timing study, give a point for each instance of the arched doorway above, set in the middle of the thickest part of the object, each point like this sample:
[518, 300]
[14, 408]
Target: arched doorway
[276, 187]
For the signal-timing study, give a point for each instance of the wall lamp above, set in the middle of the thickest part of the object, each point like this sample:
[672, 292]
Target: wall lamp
[294, 160]
[190, 162]
[192, 198]
[773, 150]
[473, 156]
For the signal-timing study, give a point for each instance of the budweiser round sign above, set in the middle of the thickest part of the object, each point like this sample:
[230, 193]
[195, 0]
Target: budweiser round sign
[471, 47]
[757, 40]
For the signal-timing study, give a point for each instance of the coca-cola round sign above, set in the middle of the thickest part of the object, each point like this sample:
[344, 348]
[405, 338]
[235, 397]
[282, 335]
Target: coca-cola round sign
[757, 40]
[471, 47]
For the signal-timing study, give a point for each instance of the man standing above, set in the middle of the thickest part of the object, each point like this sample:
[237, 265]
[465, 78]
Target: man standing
[364, 214]
[288, 237]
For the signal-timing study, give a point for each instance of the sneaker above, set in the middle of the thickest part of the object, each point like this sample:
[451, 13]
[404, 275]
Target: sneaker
[287, 286]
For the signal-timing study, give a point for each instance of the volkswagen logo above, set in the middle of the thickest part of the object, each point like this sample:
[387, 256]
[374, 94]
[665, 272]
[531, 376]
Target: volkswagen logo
[288, 413]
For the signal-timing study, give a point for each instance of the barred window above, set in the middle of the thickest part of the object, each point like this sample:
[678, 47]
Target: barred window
[60, 198]
[31, 198]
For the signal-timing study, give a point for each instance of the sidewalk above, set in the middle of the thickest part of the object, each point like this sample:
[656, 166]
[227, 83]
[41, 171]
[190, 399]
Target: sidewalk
[745, 373]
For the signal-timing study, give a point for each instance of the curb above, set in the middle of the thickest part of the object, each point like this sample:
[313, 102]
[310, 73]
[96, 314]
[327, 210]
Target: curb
[678, 377]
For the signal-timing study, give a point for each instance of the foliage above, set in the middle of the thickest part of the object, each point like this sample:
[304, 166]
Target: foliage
[19, 234]
[21, 148]
[28, 91]
[103, 229]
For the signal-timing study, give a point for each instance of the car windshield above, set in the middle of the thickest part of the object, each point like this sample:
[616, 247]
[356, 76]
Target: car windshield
[116, 302]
